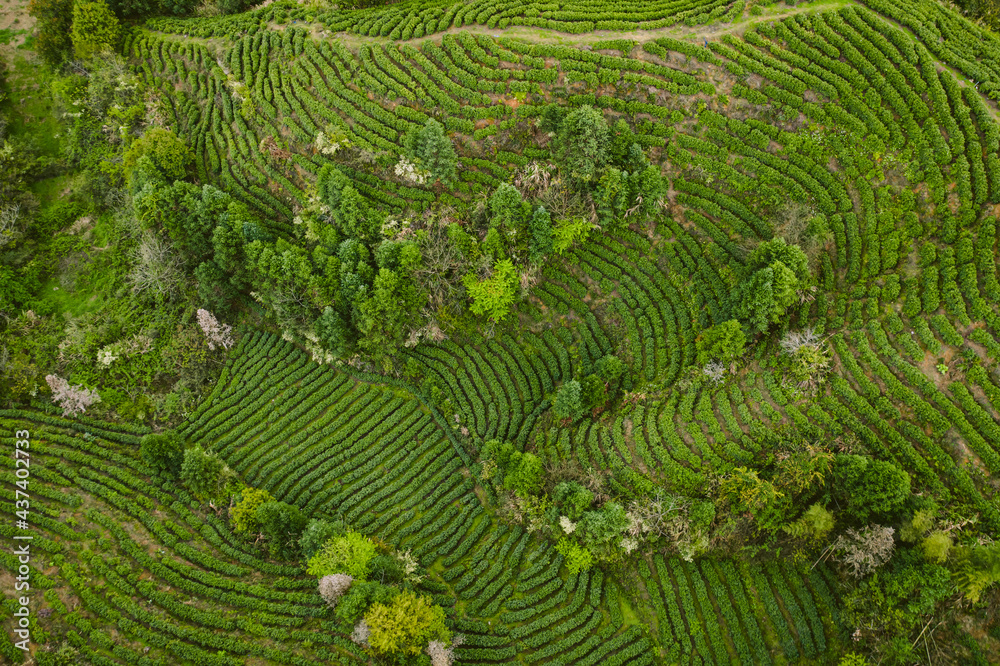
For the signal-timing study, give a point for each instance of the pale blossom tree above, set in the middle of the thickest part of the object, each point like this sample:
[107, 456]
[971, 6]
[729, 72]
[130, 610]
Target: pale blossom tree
[441, 654]
[567, 525]
[865, 550]
[361, 633]
[216, 332]
[72, 399]
[332, 587]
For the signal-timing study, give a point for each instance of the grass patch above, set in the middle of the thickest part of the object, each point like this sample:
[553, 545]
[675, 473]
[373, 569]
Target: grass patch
[34, 120]
[7, 35]
[50, 190]
[628, 613]
[75, 302]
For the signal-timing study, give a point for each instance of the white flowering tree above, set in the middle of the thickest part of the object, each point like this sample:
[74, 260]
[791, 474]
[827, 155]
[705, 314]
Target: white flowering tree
[218, 334]
[441, 654]
[332, 587]
[72, 399]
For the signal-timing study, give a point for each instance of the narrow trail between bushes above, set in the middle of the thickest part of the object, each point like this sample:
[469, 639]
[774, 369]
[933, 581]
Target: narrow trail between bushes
[549, 36]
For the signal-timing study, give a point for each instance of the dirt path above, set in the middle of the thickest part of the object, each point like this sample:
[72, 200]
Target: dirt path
[15, 26]
[547, 36]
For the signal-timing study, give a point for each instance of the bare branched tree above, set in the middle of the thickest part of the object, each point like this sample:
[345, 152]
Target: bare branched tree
[9, 216]
[792, 341]
[810, 354]
[157, 270]
[715, 371]
[440, 272]
[534, 179]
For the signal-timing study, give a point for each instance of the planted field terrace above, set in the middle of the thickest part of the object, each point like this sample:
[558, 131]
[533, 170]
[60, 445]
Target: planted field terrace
[561, 333]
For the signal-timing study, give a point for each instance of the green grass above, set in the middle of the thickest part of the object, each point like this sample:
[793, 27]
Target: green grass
[36, 119]
[7, 35]
[74, 302]
[50, 190]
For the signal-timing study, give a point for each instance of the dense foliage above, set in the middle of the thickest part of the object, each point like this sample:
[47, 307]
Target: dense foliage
[484, 349]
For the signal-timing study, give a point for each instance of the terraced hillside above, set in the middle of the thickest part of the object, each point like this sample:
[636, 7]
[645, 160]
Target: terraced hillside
[106, 515]
[865, 133]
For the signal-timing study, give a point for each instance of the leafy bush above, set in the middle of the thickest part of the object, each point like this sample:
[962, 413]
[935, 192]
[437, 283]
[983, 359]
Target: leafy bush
[359, 597]
[723, 342]
[524, 474]
[578, 558]
[814, 524]
[243, 515]
[315, 535]
[282, 525]
[569, 401]
[572, 498]
[405, 625]
[167, 153]
[494, 296]
[351, 554]
[869, 488]
[163, 452]
[95, 29]
[203, 472]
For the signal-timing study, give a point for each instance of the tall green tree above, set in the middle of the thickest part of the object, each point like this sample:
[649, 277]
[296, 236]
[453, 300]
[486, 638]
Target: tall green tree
[53, 25]
[95, 28]
[541, 241]
[583, 142]
[430, 149]
[384, 317]
[773, 275]
[509, 222]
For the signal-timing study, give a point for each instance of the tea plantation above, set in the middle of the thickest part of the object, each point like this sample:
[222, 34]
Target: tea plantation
[492, 332]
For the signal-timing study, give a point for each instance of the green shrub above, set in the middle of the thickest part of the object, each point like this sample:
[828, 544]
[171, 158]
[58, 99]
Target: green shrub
[350, 554]
[282, 524]
[405, 625]
[163, 452]
[723, 342]
[243, 515]
[569, 401]
[315, 535]
[202, 472]
[578, 558]
[869, 488]
[95, 28]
